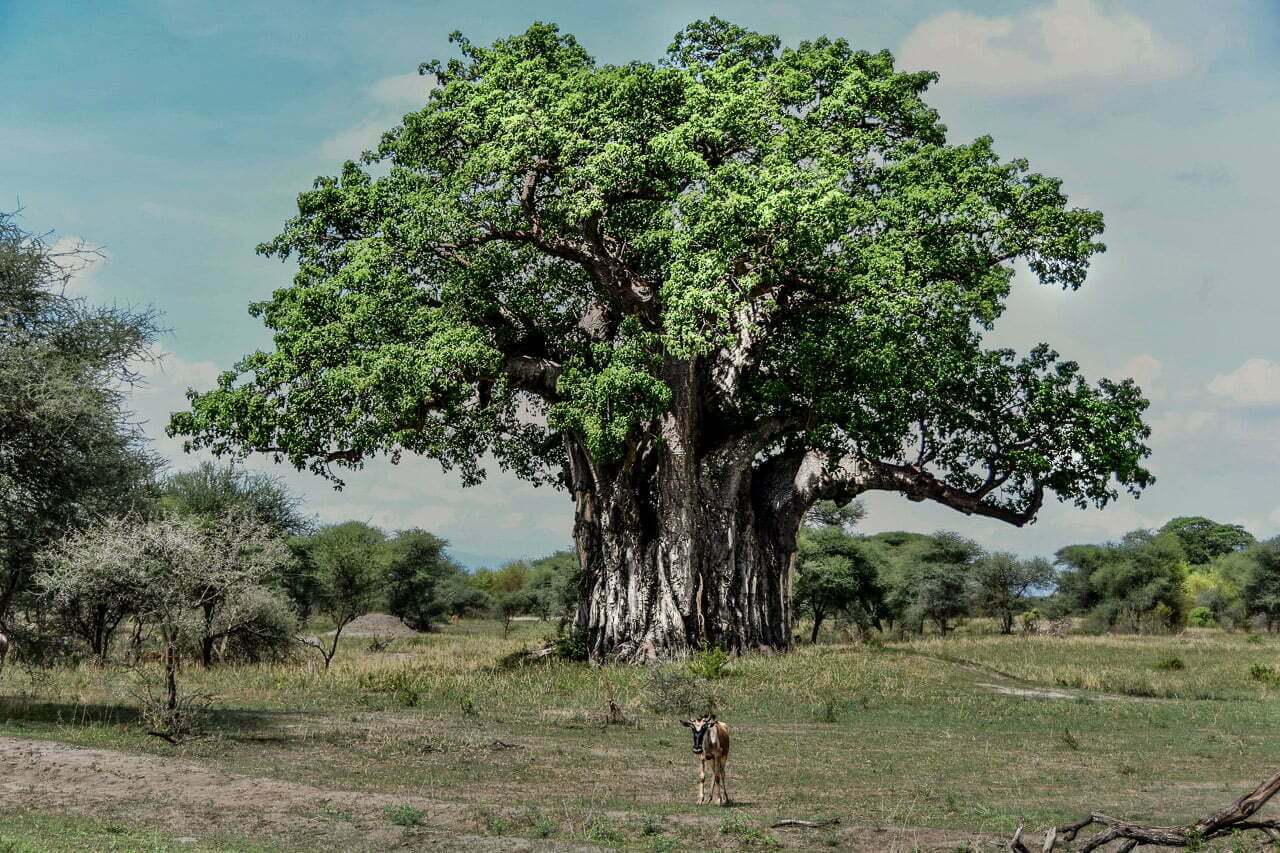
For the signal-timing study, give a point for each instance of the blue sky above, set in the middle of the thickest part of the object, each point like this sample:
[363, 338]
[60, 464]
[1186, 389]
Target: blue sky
[177, 135]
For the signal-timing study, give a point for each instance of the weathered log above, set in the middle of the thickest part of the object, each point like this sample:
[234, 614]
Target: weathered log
[1234, 817]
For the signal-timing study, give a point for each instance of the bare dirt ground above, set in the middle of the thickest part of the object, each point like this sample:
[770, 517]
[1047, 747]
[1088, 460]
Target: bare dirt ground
[191, 800]
[194, 801]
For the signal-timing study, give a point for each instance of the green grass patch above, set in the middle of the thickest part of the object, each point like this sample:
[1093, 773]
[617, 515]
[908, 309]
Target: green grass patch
[963, 737]
[35, 832]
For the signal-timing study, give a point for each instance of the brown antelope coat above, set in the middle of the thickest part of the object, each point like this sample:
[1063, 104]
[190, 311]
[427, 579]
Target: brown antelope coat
[711, 745]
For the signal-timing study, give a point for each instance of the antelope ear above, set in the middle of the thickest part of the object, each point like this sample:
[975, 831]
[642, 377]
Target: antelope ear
[688, 724]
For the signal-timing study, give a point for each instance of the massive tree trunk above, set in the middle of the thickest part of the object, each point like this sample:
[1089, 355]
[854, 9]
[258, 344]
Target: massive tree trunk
[666, 575]
[683, 545]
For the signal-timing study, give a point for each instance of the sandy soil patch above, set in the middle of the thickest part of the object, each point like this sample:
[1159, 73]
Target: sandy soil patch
[190, 799]
[1031, 692]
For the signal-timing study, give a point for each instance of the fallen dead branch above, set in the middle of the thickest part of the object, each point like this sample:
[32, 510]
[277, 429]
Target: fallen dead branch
[1225, 821]
[805, 824]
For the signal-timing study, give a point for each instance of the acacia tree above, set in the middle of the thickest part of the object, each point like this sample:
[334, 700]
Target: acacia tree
[939, 580]
[1001, 582]
[351, 561]
[700, 295]
[189, 580]
[69, 450]
[1204, 539]
[419, 565]
[212, 491]
[836, 572]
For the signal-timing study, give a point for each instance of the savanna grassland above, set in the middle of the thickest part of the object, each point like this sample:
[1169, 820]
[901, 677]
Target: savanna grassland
[435, 741]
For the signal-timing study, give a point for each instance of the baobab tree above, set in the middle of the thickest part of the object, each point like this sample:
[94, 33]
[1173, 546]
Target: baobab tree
[699, 295]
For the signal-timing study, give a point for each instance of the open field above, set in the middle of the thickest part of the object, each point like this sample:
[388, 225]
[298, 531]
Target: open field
[930, 744]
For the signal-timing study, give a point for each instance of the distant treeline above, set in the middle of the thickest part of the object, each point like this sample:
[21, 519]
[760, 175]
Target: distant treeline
[1191, 571]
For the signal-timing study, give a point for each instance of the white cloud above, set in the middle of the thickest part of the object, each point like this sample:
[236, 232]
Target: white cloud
[1176, 425]
[403, 90]
[351, 143]
[1110, 523]
[391, 98]
[163, 390]
[1254, 383]
[1071, 44]
[1145, 369]
[168, 373]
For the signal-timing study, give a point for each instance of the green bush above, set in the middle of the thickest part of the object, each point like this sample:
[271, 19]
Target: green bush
[266, 633]
[672, 692]
[402, 685]
[603, 831]
[1200, 617]
[544, 826]
[571, 645]
[1263, 672]
[1173, 663]
[710, 663]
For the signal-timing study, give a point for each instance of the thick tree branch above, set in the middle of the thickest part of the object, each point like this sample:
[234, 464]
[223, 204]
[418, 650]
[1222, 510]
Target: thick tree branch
[598, 254]
[740, 447]
[536, 375]
[817, 480]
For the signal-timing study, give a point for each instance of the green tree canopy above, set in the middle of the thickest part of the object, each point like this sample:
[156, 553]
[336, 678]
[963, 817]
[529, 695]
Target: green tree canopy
[1000, 584]
[555, 582]
[419, 566]
[941, 579]
[829, 513]
[350, 561]
[837, 572]
[459, 597]
[1203, 539]
[766, 263]
[925, 577]
[1136, 584]
[1262, 584]
[212, 491]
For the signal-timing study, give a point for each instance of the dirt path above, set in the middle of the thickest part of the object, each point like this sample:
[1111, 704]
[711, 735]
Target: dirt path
[192, 800]
[1016, 685]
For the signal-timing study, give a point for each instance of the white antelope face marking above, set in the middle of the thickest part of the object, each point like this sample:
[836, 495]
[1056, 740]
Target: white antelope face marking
[700, 728]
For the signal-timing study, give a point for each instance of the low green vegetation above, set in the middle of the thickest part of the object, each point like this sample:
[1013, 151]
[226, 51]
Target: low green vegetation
[405, 815]
[941, 740]
[24, 831]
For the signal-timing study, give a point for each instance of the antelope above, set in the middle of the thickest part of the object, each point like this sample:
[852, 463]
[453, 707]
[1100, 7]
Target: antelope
[710, 744]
